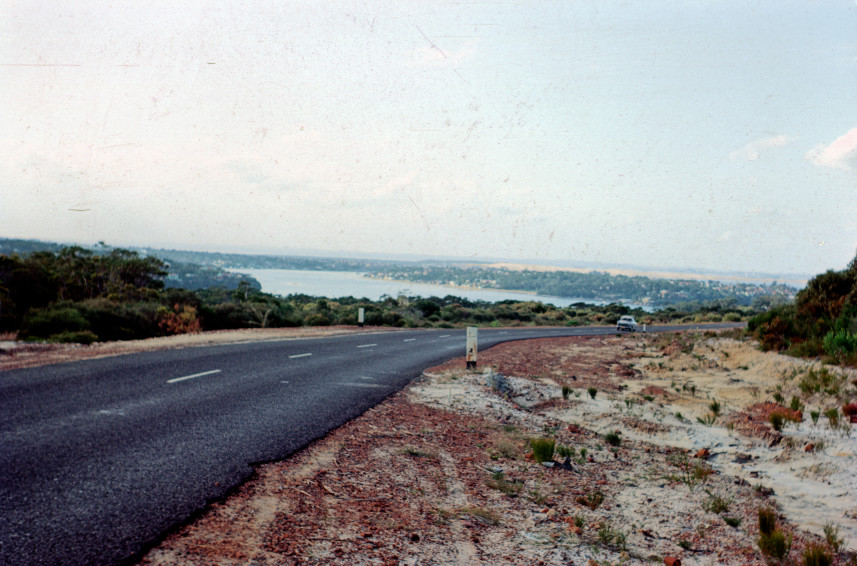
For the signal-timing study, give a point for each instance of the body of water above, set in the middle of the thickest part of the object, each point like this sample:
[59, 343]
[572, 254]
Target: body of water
[335, 284]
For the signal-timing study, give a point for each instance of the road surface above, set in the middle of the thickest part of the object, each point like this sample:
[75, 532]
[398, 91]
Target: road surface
[100, 458]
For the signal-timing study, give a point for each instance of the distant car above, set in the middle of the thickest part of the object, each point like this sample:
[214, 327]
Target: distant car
[627, 323]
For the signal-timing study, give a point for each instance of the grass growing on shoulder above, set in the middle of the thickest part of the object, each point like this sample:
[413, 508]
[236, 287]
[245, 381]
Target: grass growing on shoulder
[500, 483]
[610, 536]
[831, 534]
[613, 438]
[691, 472]
[733, 522]
[543, 449]
[593, 499]
[593, 391]
[707, 420]
[716, 503]
[780, 417]
[822, 381]
[772, 541]
[564, 451]
[566, 391]
[714, 406]
[816, 555]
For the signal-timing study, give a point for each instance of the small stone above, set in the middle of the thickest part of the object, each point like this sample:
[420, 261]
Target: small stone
[809, 447]
[703, 454]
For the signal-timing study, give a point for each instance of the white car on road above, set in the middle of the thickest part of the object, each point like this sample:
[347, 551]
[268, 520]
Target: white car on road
[627, 323]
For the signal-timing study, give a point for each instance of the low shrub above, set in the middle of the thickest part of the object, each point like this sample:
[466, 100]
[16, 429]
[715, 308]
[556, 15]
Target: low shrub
[831, 535]
[76, 337]
[772, 542]
[592, 499]
[816, 555]
[767, 521]
[776, 545]
[543, 449]
[613, 438]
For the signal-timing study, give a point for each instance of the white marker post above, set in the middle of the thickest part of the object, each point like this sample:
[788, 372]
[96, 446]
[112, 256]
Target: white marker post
[471, 347]
[361, 314]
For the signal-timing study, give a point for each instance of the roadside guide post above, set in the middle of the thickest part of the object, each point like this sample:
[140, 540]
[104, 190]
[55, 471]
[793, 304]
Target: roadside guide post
[361, 314]
[471, 347]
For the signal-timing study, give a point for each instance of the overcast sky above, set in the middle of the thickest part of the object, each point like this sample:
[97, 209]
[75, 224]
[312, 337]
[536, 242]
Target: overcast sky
[699, 134]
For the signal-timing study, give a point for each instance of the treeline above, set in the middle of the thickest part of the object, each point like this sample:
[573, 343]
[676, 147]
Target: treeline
[594, 285]
[179, 274]
[822, 322]
[75, 295]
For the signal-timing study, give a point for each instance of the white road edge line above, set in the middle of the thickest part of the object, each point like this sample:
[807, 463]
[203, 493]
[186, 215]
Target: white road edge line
[367, 345]
[299, 356]
[177, 379]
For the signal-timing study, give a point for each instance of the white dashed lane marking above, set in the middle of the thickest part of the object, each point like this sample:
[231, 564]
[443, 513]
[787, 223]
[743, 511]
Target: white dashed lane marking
[367, 345]
[299, 356]
[186, 377]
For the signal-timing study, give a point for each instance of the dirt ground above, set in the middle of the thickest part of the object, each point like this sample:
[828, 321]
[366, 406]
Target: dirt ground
[645, 469]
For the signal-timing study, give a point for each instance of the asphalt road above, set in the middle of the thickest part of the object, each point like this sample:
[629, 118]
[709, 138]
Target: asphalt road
[100, 458]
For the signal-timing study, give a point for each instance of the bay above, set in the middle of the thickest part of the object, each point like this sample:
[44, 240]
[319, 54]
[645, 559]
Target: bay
[335, 284]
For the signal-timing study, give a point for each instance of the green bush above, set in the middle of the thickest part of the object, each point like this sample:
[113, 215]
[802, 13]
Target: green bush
[55, 319]
[840, 343]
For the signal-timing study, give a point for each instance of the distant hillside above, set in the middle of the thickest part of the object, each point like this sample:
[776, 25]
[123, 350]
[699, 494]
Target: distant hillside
[598, 285]
[196, 270]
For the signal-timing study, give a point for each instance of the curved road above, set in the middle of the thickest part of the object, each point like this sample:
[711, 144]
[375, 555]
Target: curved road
[99, 458]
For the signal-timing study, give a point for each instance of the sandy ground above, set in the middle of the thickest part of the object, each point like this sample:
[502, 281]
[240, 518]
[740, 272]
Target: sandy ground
[443, 472]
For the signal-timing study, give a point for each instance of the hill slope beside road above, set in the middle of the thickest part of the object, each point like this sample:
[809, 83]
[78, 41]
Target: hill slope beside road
[441, 473]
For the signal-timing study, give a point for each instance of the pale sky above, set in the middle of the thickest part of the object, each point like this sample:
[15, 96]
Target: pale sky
[691, 134]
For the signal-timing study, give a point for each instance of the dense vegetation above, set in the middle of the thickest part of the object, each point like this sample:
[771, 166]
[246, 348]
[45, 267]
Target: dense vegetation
[596, 285]
[821, 322]
[77, 295]
[180, 273]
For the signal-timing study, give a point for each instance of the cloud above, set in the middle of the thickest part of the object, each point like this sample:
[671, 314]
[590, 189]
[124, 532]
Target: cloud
[841, 154]
[753, 150]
